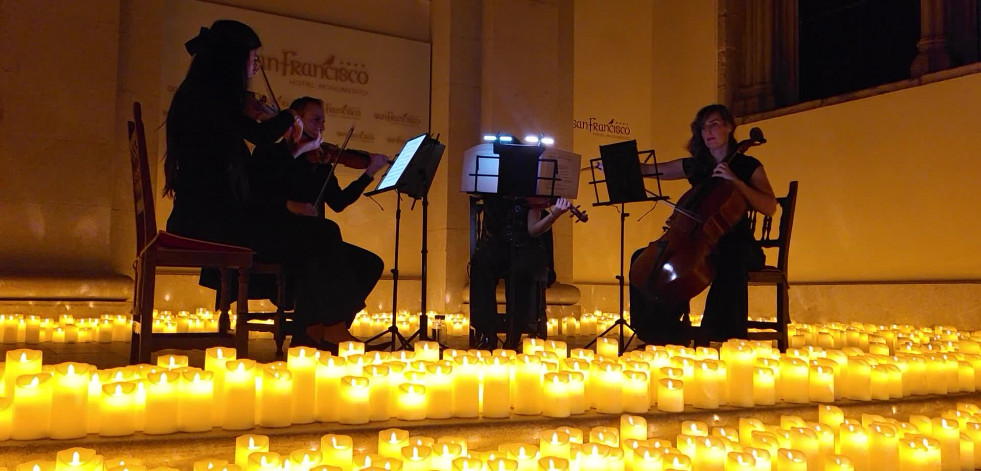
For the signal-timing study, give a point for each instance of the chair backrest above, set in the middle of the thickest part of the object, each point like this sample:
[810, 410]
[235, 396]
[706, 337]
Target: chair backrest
[781, 241]
[146, 222]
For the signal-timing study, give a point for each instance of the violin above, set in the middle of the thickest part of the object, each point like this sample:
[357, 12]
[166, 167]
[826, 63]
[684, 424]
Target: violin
[328, 153]
[679, 265]
[574, 211]
[258, 108]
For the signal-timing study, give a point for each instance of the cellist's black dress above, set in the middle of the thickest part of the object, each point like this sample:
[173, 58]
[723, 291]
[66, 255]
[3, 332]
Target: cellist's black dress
[726, 306]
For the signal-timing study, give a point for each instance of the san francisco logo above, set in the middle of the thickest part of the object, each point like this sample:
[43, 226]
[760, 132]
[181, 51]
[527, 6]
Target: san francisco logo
[331, 68]
[342, 111]
[612, 128]
[404, 119]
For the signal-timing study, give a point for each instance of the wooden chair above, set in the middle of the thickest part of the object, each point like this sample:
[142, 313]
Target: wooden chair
[279, 319]
[162, 249]
[775, 275]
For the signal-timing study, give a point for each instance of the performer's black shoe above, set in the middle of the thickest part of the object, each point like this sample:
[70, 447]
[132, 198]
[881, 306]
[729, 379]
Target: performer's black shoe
[485, 342]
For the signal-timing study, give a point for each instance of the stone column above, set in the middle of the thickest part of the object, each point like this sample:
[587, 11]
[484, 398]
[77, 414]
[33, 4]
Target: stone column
[933, 51]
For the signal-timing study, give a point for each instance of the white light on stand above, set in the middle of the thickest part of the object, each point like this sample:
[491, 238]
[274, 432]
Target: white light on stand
[531, 139]
[548, 141]
[490, 137]
[505, 138]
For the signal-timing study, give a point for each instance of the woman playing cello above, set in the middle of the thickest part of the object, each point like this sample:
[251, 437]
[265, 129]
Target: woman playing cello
[736, 253]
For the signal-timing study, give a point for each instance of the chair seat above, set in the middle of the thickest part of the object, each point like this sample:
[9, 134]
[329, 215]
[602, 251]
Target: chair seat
[174, 250]
[768, 275]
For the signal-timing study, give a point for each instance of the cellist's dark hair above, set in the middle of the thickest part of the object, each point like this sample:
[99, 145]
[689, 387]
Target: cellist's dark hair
[217, 74]
[696, 145]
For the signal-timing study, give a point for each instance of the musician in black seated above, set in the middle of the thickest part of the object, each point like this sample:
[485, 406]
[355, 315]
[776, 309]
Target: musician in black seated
[331, 278]
[508, 224]
[737, 252]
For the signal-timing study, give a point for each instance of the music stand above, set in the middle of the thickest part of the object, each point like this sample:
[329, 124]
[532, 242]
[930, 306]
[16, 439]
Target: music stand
[514, 171]
[624, 184]
[411, 173]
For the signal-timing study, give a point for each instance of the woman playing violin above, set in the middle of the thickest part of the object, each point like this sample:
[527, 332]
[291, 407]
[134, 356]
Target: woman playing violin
[737, 252]
[332, 278]
[519, 224]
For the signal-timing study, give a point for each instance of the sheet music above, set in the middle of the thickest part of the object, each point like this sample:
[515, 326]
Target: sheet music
[403, 159]
[481, 155]
[567, 185]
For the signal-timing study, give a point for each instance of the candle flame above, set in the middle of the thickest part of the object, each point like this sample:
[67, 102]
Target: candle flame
[36, 468]
[71, 372]
[75, 459]
[34, 382]
[119, 390]
[251, 443]
[23, 356]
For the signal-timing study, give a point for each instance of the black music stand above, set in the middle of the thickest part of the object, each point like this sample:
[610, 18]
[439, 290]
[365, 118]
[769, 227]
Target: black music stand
[513, 171]
[411, 174]
[624, 184]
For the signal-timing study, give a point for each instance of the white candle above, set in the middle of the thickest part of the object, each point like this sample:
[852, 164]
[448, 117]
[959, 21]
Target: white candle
[196, 401]
[19, 362]
[247, 444]
[411, 402]
[670, 395]
[162, 409]
[240, 394]
[274, 397]
[338, 450]
[466, 386]
[556, 401]
[330, 370]
[302, 362]
[69, 397]
[609, 392]
[382, 392]
[354, 406]
[391, 441]
[31, 406]
[529, 374]
[739, 373]
[215, 359]
[636, 392]
[117, 409]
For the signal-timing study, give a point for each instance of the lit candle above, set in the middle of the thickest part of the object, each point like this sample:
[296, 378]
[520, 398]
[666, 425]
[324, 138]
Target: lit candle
[32, 330]
[762, 458]
[805, 440]
[428, 351]
[346, 349]
[444, 454]
[839, 463]
[330, 370]
[793, 380]
[853, 442]
[496, 401]
[466, 386]
[162, 402]
[670, 395]
[608, 436]
[411, 402]
[172, 362]
[636, 392]
[821, 384]
[69, 397]
[274, 401]
[31, 406]
[302, 362]
[467, 464]
[607, 347]
[556, 444]
[528, 385]
[706, 385]
[117, 409]
[264, 461]
[594, 456]
[78, 459]
[556, 403]
[196, 401]
[416, 458]
[338, 450]
[354, 406]
[609, 391]
[215, 359]
[382, 391]
[245, 445]
[884, 445]
[525, 455]
[633, 427]
[947, 432]
[19, 362]
[739, 373]
[791, 460]
[439, 391]
[303, 460]
[919, 453]
[36, 465]
[738, 461]
[240, 394]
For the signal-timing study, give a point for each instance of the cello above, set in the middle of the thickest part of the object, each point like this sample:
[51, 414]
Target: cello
[679, 265]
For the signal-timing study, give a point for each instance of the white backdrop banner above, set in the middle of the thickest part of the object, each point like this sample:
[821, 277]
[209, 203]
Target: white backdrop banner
[378, 83]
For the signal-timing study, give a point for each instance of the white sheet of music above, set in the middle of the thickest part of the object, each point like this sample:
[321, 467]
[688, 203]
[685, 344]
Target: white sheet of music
[567, 185]
[487, 163]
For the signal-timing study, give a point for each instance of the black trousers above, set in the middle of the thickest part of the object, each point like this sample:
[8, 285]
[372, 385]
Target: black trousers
[726, 306]
[492, 262]
[330, 278]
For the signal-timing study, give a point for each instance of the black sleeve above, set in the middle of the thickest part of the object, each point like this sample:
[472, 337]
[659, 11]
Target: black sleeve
[339, 199]
[267, 131]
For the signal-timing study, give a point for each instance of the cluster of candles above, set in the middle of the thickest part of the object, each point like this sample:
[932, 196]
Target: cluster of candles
[456, 325]
[833, 443]
[32, 330]
[548, 379]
